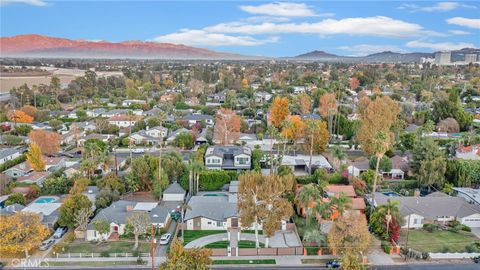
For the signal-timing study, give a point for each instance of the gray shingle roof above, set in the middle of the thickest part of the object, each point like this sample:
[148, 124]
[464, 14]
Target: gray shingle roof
[174, 188]
[431, 206]
[212, 207]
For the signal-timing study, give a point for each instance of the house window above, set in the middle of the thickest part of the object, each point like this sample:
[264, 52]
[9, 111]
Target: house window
[219, 224]
[209, 223]
[242, 160]
[415, 221]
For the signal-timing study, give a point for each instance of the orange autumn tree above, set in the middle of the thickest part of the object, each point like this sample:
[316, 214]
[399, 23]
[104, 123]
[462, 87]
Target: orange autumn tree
[19, 117]
[305, 103]
[30, 110]
[279, 111]
[294, 129]
[327, 108]
[21, 232]
[49, 142]
[354, 83]
[227, 126]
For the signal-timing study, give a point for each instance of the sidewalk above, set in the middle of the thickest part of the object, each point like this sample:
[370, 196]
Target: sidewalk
[280, 260]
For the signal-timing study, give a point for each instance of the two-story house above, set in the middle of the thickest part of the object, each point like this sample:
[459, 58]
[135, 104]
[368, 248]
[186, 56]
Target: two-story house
[192, 119]
[228, 158]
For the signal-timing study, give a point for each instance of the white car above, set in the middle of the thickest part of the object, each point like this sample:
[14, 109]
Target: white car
[164, 239]
[138, 151]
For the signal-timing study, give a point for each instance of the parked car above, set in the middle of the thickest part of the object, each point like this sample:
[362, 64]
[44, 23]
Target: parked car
[59, 232]
[175, 215]
[476, 259]
[138, 151]
[164, 239]
[333, 264]
[46, 244]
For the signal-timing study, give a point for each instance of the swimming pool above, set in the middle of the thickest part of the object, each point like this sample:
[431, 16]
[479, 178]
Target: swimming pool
[46, 200]
[391, 194]
[214, 194]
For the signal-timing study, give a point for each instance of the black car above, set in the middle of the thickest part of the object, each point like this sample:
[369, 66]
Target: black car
[333, 264]
[476, 259]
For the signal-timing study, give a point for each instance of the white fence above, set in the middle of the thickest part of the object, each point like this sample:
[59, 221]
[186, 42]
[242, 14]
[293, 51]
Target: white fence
[453, 255]
[97, 255]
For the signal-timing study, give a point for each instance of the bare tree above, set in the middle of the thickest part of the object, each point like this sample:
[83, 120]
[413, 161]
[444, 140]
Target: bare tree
[138, 224]
[82, 218]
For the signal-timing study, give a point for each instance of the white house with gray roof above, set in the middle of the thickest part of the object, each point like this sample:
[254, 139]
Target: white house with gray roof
[118, 212]
[437, 209]
[8, 154]
[228, 158]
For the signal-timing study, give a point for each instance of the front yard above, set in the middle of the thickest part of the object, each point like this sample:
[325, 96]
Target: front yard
[107, 247]
[192, 235]
[438, 240]
[241, 244]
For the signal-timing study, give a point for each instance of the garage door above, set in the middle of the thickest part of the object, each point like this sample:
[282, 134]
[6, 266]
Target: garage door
[472, 222]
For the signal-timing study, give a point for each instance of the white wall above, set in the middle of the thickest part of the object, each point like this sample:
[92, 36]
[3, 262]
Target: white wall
[173, 197]
[471, 221]
[413, 225]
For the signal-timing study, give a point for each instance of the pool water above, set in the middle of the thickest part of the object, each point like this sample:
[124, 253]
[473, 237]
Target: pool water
[45, 200]
[214, 194]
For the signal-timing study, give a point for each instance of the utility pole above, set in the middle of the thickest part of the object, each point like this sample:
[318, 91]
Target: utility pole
[152, 232]
[406, 241]
[160, 143]
[116, 165]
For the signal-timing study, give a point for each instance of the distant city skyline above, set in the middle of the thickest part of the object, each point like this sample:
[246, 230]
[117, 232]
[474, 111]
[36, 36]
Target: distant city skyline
[256, 27]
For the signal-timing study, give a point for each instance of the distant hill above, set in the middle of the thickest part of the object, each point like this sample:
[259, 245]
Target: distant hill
[381, 57]
[44, 46]
[315, 55]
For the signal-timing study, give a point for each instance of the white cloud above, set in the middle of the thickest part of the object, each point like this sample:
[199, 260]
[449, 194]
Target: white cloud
[203, 38]
[438, 7]
[448, 46]
[366, 49]
[472, 23]
[38, 3]
[281, 9]
[260, 19]
[458, 32]
[362, 26]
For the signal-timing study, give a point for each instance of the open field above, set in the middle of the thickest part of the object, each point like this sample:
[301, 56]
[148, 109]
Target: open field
[438, 241]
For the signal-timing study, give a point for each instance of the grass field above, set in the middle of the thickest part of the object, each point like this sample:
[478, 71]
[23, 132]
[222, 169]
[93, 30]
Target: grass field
[241, 244]
[266, 261]
[110, 247]
[438, 241]
[192, 235]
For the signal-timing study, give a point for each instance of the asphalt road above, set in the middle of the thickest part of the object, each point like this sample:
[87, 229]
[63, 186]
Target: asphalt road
[470, 266]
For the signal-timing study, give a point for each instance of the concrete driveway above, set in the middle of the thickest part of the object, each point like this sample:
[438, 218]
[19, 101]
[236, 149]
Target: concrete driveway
[476, 232]
[203, 241]
[280, 239]
[161, 250]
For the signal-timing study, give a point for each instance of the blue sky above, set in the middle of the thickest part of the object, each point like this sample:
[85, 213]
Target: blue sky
[256, 27]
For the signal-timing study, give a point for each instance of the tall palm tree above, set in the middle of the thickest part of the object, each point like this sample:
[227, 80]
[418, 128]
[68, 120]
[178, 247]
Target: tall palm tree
[315, 235]
[390, 211]
[183, 208]
[272, 133]
[341, 203]
[307, 194]
[381, 143]
[312, 128]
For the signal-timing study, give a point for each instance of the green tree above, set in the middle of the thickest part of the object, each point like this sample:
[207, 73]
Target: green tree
[101, 226]
[184, 140]
[70, 209]
[180, 258]
[16, 198]
[385, 163]
[138, 223]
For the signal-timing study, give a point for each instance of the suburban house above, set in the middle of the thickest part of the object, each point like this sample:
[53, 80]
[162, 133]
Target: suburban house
[436, 209]
[262, 97]
[399, 168]
[300, 164]
[118, 212]
[174, 134]
[149, 136]
[96, 112]
[47, 207]
[85, 126]
[34, 178]
[244, 138]
[129, 102]
[228, 158]
[8, 154]
[218, 97]
[212, 213]
[123, 121]
[357, 167]
[52, 164]
[192, 119]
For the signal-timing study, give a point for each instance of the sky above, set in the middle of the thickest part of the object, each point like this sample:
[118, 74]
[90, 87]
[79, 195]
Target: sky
[255, 27]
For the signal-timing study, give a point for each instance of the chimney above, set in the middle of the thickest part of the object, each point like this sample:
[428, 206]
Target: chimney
[129, 208]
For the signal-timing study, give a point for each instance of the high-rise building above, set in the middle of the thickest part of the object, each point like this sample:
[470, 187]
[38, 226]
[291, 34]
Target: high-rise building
[443, 58]
[470, 58]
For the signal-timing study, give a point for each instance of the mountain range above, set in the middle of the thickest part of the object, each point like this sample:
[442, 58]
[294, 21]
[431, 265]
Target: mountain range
[44, 46]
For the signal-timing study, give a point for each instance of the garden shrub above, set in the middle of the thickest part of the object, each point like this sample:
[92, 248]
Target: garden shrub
[104, 254]
[386, 247]
[429, 227]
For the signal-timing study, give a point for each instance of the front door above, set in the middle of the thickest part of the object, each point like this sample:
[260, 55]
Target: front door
[234, 222]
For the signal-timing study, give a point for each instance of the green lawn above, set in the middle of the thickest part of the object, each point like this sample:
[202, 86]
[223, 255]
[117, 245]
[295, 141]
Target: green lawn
[241, 244]
[437, 241]
[266, 261]
[110, 247]
[192, 235]
[260, 232]
[315, 261]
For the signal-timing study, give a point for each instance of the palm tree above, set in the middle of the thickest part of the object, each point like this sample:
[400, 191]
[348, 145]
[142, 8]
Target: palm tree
[315, 235]
[341, 203]
[307, 194]
[272, 133]
[312, 127]
[381, 142]
[390, 211]
[183, 207]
